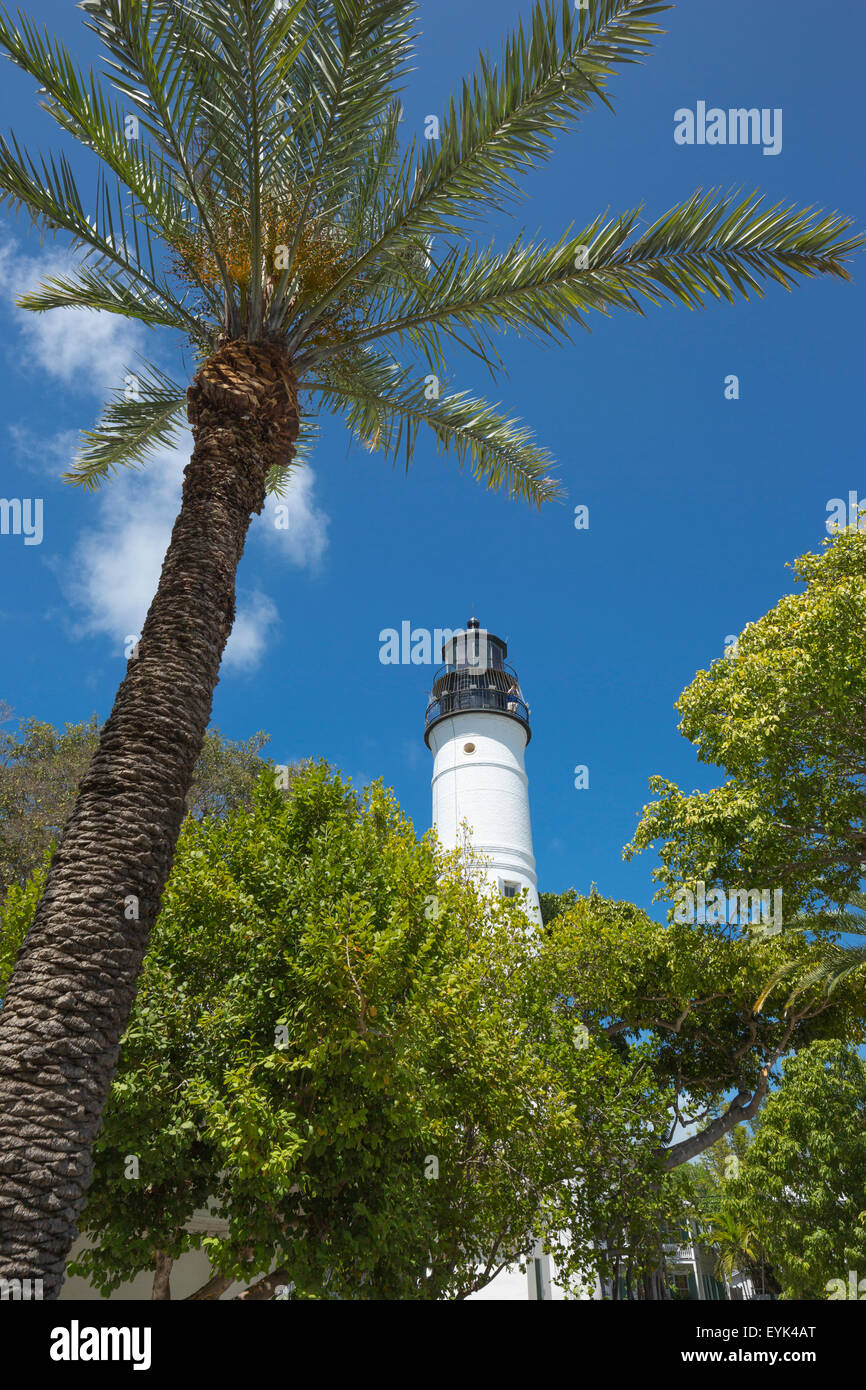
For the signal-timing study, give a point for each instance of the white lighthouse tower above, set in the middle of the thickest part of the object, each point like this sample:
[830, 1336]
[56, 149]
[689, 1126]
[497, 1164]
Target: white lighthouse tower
[478, 730]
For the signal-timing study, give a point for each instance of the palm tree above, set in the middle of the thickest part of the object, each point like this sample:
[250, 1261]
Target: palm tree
[732, 1242]
[737, 1248]
[269, 213]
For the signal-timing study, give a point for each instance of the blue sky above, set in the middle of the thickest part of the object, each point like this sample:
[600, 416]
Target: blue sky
[696, 503]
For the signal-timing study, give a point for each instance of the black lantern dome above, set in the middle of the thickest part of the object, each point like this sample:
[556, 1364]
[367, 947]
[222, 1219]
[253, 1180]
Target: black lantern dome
[475, 677]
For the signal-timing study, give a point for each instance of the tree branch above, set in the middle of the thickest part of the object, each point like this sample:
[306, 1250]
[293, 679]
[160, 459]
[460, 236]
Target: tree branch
[212, 1289]
[264, 1288]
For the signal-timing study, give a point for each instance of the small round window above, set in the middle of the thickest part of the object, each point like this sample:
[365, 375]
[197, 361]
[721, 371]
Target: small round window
[469, 748]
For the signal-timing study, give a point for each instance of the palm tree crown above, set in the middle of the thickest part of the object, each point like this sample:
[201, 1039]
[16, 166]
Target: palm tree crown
[260, 192]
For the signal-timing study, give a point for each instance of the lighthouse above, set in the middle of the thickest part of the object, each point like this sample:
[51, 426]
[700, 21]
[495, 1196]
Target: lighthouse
[477, 729]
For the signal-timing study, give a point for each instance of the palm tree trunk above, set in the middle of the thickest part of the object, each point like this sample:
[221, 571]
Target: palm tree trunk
[74, 982]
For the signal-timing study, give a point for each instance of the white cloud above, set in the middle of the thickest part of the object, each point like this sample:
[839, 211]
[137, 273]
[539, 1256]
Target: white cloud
[257, 616]
[304, 541]
[48, 454]
[81, 349]
[116, 564]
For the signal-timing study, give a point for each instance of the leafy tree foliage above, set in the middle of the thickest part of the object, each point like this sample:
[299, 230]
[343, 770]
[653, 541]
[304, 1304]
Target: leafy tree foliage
[802, 1183]
[706, 1198]
[16, 914]
[837, 958]
[41, 767]
[554, 904]
[388, 1085]
[371, 1070]
[784, 714]
[690, 1001]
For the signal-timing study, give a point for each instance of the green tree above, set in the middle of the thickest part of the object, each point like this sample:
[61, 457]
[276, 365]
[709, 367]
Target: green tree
[16, 914]
[801, 1188]
[735, 1243]
[554, 904]
[41, 768]
[260, 205]
[327, 1006]
[784, 714]
[343, 1048]
[716, 1166]
[626, 1201]
[40, 771]
[688, 997]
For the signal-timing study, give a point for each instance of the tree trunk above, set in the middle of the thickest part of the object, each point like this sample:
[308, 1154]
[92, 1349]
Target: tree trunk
[74, 982]
[162, 1276]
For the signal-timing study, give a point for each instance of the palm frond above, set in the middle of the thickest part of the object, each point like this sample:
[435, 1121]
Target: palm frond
[152, 47]
[80, 106]
[356, 55]
[130, 431]
[280, 475]
[506, 118]
[155, 48]
[113, 293]
[713, 246]
[386, 406]
[47, 191]
[834, 963]
[114, 243]
[707, 247]
[537, 290]
[255, 49]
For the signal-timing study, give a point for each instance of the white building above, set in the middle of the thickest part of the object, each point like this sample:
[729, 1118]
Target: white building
[478, 730]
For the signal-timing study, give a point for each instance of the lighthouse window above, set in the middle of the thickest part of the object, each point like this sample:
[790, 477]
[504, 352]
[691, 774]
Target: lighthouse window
[509, 890]
[469, 748]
